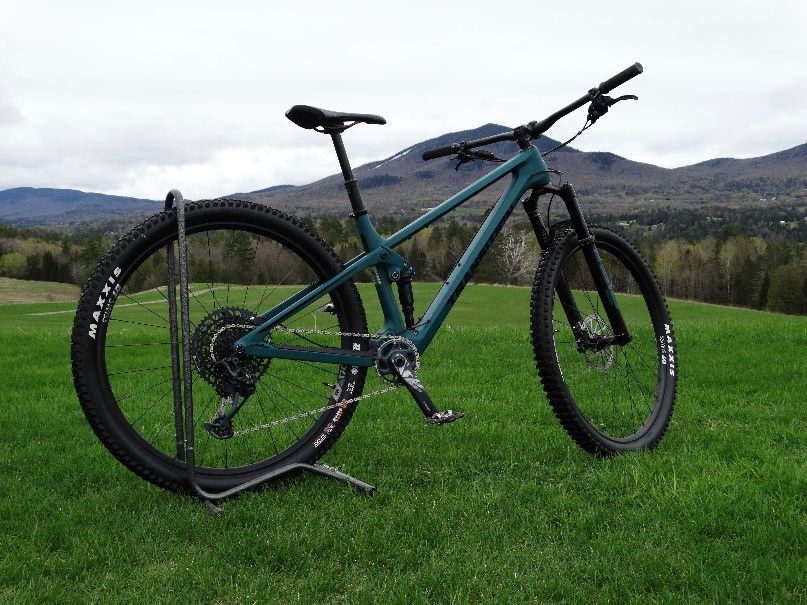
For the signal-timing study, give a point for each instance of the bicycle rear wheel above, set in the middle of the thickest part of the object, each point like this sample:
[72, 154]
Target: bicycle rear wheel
[243, 259]
[618, 398]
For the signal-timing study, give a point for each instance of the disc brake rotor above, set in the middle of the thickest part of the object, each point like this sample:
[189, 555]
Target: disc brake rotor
[601, 360]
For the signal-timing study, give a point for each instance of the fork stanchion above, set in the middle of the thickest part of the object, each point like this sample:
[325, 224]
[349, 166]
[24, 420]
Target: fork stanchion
[183, 388]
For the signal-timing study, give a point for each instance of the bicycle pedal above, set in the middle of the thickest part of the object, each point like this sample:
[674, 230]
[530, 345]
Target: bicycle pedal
[444, 417]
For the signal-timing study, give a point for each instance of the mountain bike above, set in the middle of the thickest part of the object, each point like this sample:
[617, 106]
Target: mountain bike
[276, 340]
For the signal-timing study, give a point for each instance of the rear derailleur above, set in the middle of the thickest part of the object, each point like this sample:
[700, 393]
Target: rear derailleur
[223, 366]
[233, 396]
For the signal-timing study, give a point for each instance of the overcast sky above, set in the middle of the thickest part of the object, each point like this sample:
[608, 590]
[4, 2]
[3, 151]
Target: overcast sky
[137, 98]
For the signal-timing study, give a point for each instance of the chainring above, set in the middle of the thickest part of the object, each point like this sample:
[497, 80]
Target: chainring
[384, 353]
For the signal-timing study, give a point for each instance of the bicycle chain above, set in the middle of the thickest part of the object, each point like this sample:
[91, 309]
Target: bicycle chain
[343, 402]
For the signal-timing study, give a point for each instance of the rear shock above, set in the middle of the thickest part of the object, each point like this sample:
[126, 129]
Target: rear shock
[406, 296]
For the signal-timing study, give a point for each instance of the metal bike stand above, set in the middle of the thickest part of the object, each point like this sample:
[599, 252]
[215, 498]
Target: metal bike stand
[183, 390]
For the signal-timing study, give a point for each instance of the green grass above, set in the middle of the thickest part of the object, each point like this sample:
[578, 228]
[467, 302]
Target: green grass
[500, 507]
[24, 291]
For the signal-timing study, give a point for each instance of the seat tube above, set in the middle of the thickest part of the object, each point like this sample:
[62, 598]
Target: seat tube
[347, 172]
[587, 245]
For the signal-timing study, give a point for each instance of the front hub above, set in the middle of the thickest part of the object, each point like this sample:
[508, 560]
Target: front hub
[595, 340]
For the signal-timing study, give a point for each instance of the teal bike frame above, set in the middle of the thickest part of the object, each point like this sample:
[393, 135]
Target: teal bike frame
[527, 171]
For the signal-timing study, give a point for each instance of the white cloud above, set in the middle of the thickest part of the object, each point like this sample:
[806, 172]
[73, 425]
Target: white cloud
[9, 113]
[137, 98]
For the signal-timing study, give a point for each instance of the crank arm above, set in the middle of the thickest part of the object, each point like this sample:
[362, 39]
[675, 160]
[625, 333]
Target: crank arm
[415, 387]
[419, 394]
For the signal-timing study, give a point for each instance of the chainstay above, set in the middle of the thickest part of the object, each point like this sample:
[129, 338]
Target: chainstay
[344, 402]
[315, 331]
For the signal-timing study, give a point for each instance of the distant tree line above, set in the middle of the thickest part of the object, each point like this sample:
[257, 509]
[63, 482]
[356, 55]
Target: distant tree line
[775, 222]
[734, 270]
[729, 267]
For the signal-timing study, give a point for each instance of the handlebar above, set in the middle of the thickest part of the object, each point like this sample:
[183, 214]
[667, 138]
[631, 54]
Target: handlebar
[535, 129]
[455, 147]
[619, 79]
[439, 152]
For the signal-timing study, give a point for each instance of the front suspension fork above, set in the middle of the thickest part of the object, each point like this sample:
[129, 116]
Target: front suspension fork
[587, 245]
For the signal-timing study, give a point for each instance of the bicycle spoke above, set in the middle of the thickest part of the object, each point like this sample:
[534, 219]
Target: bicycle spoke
[308, 313]
[146, 308]
[139, 370]
[642, 357]
[151, 407]
[266, 421]
[137, 344]
[254, 267]
[266, 390]
[302, 388]
[283, 281]
[141, 391]
[216, 304]
[138, 323]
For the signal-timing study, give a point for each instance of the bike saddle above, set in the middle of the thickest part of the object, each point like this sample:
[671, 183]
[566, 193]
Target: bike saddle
[309, 117]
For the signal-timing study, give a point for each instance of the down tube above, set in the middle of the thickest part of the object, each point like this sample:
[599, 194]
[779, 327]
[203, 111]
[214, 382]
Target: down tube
[465, 267]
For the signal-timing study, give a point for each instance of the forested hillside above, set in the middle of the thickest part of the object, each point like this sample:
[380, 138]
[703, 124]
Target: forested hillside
[728, 231]
[725, 266]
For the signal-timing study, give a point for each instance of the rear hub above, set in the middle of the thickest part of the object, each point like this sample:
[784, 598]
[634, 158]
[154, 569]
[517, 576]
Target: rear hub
[214, 355]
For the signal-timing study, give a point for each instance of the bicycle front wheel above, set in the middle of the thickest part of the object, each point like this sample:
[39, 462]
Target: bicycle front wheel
[613, 399]
[243, 259]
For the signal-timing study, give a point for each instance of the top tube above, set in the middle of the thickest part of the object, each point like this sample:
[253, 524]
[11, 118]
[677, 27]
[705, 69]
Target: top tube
[529, 159]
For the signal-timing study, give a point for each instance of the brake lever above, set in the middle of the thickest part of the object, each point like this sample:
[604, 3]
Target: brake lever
[465, 155]
[601, 103]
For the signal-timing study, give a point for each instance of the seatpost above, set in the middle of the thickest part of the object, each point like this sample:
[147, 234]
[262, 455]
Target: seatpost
[350, 182]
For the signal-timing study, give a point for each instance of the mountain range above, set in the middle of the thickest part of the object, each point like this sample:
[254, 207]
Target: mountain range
[403, 184]
[32, 207]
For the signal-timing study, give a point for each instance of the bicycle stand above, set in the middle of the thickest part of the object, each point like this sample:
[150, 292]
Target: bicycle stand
[183, 390]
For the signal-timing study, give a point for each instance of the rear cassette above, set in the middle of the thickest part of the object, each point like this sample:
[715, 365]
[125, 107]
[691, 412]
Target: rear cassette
[214, 355]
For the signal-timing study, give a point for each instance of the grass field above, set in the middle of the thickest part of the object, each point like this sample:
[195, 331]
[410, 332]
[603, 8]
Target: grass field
[24, 291]
[500, 507]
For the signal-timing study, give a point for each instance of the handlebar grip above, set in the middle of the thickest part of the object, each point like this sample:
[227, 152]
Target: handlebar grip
[622, 77]
[440, 151]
